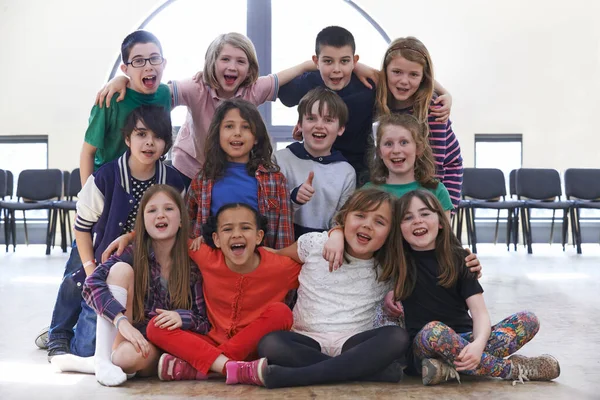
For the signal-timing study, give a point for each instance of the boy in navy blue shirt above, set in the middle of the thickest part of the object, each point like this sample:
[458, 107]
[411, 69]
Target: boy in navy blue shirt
[335, 58]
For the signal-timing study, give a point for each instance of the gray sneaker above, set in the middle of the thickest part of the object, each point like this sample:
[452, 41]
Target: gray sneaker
[41, 341]
[436, 371]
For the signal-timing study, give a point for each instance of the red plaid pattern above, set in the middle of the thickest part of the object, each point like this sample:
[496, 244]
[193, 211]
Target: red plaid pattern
[273, 203]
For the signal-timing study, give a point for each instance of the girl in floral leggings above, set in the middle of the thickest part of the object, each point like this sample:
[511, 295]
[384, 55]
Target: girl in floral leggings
[438, 293]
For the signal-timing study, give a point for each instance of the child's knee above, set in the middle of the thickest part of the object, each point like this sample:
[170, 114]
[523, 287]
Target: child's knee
[530, 321]
[282, 313]
[125, 356]
[120, 274]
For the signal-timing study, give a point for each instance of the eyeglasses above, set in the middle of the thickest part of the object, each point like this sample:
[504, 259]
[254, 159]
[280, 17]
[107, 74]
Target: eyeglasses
[141, 62]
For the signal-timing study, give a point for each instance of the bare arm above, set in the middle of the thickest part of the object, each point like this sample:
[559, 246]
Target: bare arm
[86, 162]
[291, 251]
[86, 250]
[442, 104]
[288, 74]
[470, 356]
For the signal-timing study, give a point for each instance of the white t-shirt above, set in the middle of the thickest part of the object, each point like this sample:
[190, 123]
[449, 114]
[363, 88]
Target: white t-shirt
[340, 301]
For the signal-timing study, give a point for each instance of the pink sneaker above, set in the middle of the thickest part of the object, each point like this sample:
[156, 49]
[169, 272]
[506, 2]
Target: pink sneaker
[171, 368]
[249, 373]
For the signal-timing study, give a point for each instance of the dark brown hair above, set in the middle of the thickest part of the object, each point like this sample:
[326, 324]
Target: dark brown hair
[261, 153]
[335, 105]
[424, 162]
[180, 273]
[154, 118]
[449, 252]
[370, 199]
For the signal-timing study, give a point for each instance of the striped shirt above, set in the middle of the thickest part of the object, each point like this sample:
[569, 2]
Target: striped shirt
[446, 153]
[98, 296]
[273, 203]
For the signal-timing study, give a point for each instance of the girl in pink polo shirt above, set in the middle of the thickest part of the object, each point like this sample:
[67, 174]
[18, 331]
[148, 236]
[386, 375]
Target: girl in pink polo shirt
[230, 70]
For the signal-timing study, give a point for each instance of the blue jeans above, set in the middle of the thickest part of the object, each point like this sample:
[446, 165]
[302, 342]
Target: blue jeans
[73, 321]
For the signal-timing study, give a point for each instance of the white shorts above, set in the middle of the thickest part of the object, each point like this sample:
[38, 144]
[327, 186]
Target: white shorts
[331, 342]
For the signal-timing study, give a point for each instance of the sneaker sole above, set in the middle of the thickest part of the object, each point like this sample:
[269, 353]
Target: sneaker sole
[160, 366]
[426, 366]
[262, 367]
[40, 342]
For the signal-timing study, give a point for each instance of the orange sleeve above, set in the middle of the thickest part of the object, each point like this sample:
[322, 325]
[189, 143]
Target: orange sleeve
[202, 256]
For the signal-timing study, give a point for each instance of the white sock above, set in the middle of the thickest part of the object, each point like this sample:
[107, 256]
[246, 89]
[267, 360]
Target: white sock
[73, 363]
[107, 373]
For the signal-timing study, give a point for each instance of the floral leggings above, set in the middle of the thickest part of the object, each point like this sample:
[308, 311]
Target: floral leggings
[438, 340]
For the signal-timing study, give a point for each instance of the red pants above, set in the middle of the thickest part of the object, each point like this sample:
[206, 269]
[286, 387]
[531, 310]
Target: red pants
[201, 351]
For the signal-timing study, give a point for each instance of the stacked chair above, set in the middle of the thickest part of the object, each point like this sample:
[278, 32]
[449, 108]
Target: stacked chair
[485, 188]
[36, 190]
[61, 208]
[582, 186]
[541, 189]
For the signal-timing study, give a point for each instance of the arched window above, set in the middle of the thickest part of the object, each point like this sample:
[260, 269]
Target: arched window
[283, 33]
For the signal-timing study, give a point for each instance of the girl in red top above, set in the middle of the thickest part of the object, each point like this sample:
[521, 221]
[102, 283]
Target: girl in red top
[244, 288]
[239, 168]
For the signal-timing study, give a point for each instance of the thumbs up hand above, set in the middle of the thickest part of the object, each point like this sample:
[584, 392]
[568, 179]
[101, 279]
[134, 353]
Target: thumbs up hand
[306, 191]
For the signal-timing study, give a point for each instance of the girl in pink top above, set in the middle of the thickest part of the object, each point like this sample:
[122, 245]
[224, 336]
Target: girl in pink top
[230, 70]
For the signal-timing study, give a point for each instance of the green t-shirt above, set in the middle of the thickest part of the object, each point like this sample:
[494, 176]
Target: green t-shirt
[105, 124]
[399, 190]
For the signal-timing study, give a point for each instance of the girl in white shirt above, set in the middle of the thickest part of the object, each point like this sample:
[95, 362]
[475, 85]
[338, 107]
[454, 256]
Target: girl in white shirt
[333, 339]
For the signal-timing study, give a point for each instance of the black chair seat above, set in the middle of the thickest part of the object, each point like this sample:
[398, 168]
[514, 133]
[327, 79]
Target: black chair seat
[463, 203]
[495, 205]
[587, 204]
[65, 205]
[549, 205]
[19, 205]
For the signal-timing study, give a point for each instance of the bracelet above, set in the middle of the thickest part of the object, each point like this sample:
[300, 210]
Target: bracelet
[88, 263]
[121, 318]
[333, 229]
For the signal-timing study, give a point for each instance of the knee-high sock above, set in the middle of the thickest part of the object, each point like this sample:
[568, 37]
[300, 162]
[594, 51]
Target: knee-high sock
[107, 373]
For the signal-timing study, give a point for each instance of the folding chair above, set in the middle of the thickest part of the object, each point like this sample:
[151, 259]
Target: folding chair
[583, 185]
[485, 188]
[542, 190]
[62, 208]
[35, 191]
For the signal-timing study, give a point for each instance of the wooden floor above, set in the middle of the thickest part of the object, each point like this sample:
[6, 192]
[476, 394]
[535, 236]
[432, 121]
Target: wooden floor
[561, 288]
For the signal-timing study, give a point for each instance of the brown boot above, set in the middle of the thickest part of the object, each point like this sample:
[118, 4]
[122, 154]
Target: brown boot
[436, 371]
[541, 368]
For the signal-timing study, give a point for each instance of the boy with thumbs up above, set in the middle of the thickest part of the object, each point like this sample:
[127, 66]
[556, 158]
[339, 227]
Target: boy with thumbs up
[319, 180]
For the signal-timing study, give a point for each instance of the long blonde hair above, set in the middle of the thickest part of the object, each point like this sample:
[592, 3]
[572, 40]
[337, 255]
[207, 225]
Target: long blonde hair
[179, 276]
[236, 40]
[424, 162]
[413, 50]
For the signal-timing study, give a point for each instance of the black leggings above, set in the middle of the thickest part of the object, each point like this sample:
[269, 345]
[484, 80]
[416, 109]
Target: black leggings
[296, 360]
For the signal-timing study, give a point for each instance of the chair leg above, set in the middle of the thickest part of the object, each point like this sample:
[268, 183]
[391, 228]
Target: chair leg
[515, 227]
[63, 230]
[496, 230]
[552, 227]
[51, 229]
[25, 228]
[509, 223]
[13, 225]
[70, 228]
[565, 228]
[473, 230]
[6, 229]
[576, 227]
[527, 234]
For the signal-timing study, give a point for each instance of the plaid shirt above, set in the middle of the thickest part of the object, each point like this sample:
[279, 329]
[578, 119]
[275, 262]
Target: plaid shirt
[273, 203]
[98, 296]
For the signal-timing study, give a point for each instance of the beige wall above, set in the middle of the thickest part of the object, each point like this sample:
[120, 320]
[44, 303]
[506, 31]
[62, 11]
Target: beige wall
[513, 66]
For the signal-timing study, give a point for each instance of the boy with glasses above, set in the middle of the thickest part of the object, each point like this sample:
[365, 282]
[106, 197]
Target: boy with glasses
[143, 63]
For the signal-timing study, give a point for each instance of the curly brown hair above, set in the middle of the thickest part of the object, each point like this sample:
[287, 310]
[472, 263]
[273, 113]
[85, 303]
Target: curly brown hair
[424, 162]
[261, 153]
